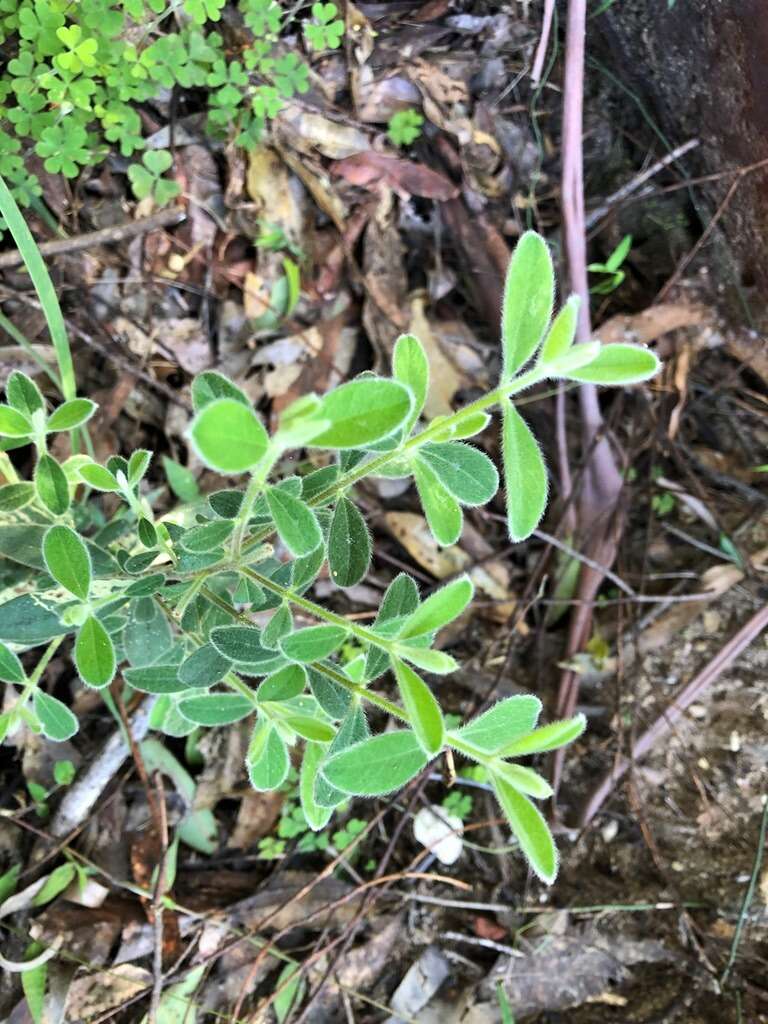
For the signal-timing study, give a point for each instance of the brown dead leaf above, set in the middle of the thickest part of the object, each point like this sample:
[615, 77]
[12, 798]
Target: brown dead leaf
[373, 170]
[275, 193]
[94, 994]
[318, 184]
[308, 132]
[187, 340]
[256, 818]
[377, 99]
[386, 281]
[652, 323]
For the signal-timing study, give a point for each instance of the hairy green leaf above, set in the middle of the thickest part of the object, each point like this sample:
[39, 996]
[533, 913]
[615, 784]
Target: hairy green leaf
[501, 724]
[349, 545]
[465, 472]
[411, 367]
[440, 608]
[11, 669]
[14, 423]
[362, 412]
[94, 654]
[57, 721]
[317, 817]
[228, 436]
[51, 485]
[442, 511]
[548, 737]
[155, 679]
[529, 293]
[70, 415]
[207, 537]
[529, 828]
[525, 475]
[280, 625]
[313, 643]
[16, 496]
[423, 710]
[242, 644]
[210, 385]
[296, 523]
[562, 332]
[525, 780]
[286, 683]
[204, 667]
[267, 760]
[23, 394]
[98, 477]
[215, 708]
[376, 766]
[67, 560]
[618, 364]
[437, 662]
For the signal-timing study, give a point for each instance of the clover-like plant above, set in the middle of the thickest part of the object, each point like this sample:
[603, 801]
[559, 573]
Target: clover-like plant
[170, 603]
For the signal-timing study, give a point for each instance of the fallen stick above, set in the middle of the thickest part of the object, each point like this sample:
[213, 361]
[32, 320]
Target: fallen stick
[104, 236]
[664, 723]
[81, 797]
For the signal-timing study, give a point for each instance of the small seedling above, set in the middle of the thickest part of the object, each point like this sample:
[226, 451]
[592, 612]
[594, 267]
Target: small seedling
[611, 269]
[405, 127]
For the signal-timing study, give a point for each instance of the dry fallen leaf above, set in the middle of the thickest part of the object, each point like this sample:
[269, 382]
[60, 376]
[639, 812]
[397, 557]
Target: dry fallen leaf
[371, 170]
[308, 131]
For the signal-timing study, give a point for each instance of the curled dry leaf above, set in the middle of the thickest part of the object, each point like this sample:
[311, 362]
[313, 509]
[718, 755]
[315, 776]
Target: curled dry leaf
[372, 170]
[308, 131]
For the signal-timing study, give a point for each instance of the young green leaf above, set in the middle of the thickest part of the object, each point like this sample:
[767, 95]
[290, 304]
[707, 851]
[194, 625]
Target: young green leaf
[215, 708]
[411, 367]
[267, 760]
[576, 357]
[94, 654]
[317, 817]
[286, 683]
[561, 333]
[313, 643]
[332, 697]
[70, 415]
[362, 412]
[204, 667]
[525, 780]
[294, 521]
[138, 464]
[529, 828]
[228, 436]
[23, 394]
[98, 477]
[525, 476]
[67, 560]
[423, 710]
[242, 644]
[280, 625]
[210, 385]
[14, 423]
[376, 766]
[619, 364]
[51, 485]
[57, 721]
[11, 669]
[465, 426]
[349, 545]
[437, 662]
[310, 728]
[442, 511]
[181, 481]
[353, 729]
[147, 533]
[529, 292]
[465, 472]
[155, 679]
[207, 537]
[504, 722]
[548, 737]
[34, 981]
[440, 608]
[16, 496]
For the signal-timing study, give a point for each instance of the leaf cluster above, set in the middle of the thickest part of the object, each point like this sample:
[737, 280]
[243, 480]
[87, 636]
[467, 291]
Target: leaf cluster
[206, 610]
[75, 77]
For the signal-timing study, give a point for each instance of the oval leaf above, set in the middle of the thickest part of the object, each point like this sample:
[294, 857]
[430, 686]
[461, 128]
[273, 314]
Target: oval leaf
[548, 737]
[204, 667]
[67, 560]
[423, 710]
[376, 766]
[562, 332]
[98, 477]
[94, 654]
[442, 511]
[11, 669]
[529, 828]
[51, 485]
[215, 708]
[210, 385]
[529, 292]
[313, 643]
[504, 722]
[23, 394]
[57, 721]
[228, 436]
[349, 545]
[207, 537]
[267, 760]
[14, 423]
[16, 496]
[155, 679]
[525, 475]
[70, 415]
[286, 683]
[440, 608]
[619, 364]
[411, 367]
[465, 472]
[295, 522]
[362, 412]
[317, 817]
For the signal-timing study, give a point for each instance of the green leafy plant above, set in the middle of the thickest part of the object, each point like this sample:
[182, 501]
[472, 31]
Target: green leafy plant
[75, 75]
[169, 605]
[613, 275]
[404, 127]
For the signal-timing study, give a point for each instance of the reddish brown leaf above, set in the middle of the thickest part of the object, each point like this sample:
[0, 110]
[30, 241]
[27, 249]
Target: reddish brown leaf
[373, 170]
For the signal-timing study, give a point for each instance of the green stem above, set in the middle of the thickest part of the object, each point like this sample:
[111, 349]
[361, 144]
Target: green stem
[37, 671]
[254, 489]
[317, 610]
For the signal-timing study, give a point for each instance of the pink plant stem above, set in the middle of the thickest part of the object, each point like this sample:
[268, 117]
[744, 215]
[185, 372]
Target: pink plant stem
[665, 722]
[541, 49]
